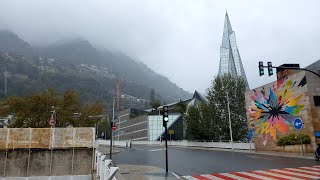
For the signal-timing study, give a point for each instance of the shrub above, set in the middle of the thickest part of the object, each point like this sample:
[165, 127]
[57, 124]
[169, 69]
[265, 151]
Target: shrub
[293, 139]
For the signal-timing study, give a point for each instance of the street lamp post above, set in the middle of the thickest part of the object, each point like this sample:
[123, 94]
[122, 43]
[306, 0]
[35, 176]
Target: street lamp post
[230, 127]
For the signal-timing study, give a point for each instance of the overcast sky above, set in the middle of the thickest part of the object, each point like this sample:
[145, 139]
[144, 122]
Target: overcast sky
[178, 39]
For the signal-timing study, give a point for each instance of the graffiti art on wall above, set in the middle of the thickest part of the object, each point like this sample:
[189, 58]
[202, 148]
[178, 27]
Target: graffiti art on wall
[276, 112]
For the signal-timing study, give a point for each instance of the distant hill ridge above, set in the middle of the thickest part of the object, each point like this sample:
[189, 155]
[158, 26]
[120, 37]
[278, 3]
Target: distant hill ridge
[136, 78]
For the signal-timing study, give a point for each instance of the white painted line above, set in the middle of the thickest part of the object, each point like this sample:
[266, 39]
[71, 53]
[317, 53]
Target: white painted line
[176, 175]
[156, 150]
[278, 175]
[310, 168]
[233, 176]
[190, 177]
[211, 177]
[304, 171]
[257, 157]
[297, 174]
[138, 149]
[255, 175]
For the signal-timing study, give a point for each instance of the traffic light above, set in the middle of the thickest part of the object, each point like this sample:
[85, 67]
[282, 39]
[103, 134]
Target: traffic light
[165, 115]
[261, 68]
[270, 70]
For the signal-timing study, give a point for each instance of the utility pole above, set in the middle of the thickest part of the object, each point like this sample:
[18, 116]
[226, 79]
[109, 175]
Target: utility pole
[111, 127]
[230, 127]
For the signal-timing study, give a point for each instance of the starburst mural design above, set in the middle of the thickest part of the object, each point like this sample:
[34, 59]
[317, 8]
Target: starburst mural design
[277, 111]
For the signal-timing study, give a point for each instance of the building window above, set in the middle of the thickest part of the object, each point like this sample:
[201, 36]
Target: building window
[316, 100]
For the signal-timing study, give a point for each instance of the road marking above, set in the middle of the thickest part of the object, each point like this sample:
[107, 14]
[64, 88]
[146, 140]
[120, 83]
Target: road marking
[268, 175]
[211, 177]
[255, 175]
[310, 169]
[190, 177]
[257, 157]
[176, 175]
[303, 171]
[295, 174]
[299, 173]
[278, 175]
[138, 149]
[287, 174]
[245, 176]
[156, 150]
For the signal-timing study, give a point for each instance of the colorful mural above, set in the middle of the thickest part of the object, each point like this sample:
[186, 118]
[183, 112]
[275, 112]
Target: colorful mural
[277, 111]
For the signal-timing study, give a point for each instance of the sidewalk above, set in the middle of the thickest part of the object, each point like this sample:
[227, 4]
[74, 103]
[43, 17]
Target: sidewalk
[140, 172]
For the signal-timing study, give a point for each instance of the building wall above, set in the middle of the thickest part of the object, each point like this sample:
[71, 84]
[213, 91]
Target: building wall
[299, 98]
[314, 90]
[131, 128]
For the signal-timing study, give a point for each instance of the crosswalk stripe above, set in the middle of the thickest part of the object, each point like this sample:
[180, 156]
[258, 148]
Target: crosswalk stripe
[303, 171]
[201, 177]
[279, 175]
[211, 177]
[310, 169]
[233, 176]
[223, 177]
[268, 175]
[300, 173]
[286, 173]
[258, 176]
[190, 178]
[245, 176]
[296, 174]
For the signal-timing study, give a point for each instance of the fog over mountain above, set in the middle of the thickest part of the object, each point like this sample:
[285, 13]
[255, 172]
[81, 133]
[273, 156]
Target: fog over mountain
[176, 38]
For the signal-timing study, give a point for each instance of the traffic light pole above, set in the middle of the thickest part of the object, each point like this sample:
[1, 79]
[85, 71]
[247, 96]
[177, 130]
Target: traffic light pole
[296, 68]
[166, 143]
[282, 67]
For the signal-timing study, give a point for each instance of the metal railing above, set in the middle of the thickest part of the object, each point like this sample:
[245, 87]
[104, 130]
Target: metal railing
[104, 168]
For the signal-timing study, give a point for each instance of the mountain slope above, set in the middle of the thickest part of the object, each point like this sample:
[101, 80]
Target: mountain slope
[76, 64]
[12, 43]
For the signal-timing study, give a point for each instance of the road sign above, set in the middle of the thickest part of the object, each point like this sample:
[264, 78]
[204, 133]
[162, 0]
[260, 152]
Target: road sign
[298, 124]
[250, 134]
[52, 122]
[171, 131]
[114, 127]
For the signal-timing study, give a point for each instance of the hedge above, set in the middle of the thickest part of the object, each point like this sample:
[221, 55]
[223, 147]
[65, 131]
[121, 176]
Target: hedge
[293, 139]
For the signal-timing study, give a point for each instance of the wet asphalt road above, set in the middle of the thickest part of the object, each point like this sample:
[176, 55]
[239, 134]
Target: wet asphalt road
[187, 161]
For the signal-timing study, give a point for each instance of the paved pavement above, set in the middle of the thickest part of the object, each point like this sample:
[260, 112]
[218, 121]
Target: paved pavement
[187, 161]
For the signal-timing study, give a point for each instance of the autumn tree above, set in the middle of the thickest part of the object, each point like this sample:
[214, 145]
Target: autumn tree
[36, 109]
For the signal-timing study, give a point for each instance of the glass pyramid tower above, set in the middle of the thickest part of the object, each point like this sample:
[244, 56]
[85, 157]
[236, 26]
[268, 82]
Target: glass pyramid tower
[230, 61]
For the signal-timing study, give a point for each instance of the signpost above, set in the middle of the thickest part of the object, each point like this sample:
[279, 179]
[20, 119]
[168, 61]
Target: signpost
[298, 125]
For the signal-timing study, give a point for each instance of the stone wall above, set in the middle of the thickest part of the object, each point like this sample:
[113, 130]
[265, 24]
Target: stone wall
[18, 163]
[26, 152]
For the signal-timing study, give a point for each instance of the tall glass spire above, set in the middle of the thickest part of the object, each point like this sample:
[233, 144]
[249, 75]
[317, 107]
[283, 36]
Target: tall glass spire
[230, 61]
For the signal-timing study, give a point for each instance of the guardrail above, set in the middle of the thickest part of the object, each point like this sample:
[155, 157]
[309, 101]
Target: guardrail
[104, 168]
